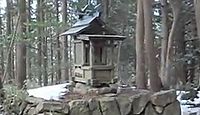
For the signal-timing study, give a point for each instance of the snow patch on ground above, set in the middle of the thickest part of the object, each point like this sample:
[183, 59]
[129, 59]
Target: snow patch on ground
[49, 92]
[186, 108]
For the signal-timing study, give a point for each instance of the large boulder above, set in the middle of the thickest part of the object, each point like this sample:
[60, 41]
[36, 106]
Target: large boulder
[23, 106]
[81, 88]
[114, 86]
[109, 106]
[79, 107]
[31, 111]
[139, 102]
[26, 110]
[150, 110]
[122, 90]
[52, 106]
[34, 100]
[159, 109]
[125, 105]
[50, 113]
[106, 90]
[172, 109]
[163, 98]
[94, 107]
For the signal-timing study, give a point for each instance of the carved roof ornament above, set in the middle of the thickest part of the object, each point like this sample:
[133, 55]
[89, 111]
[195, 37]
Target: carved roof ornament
[90, 22]
[90, 9]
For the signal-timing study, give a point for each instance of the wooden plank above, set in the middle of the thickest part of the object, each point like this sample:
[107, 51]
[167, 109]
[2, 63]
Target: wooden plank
[102, 67]
[96, 36]
[80, 37]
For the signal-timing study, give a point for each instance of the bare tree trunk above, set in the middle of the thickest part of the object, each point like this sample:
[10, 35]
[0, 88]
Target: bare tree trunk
[65, 60]
[52, 61]
[8, 15]
[58, 46]
[140, 59]
[39, 45]
[28, 63]
[44, 47]
[45, 61]
[21, 64]
[39, 61]
[106, 4]
[12, 53]
[21, 47]
[2, 60]
[197, 16]
[10, 63]
[155, 82]
[2, 57]
[165, 34]
[180, 51]
[171, 79]
[2, 49]
[14, 25]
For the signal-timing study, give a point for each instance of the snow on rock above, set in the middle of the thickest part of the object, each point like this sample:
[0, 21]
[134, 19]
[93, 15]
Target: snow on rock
[49, 92]
[186, 108]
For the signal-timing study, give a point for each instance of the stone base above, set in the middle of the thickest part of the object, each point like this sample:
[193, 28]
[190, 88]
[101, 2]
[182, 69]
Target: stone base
[136, 102]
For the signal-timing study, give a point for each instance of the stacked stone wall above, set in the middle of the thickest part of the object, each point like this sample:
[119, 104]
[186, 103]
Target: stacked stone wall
[140, 103]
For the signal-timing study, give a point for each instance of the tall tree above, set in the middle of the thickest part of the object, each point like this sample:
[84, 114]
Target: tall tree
[2, 56]
[44, 17]
[180, 71]
[58, 44]
[39, 45]
[10, 63]
[197, 17]
[52, 60]
[45, 61]
[65, 60]
[140, 59]
[165, 34]
[155, 82]
[2, 48]
[106, 4]
[171, 79]
[21, 46]
[28, 63]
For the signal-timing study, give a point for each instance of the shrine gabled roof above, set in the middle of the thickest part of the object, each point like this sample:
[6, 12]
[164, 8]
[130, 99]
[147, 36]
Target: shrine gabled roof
[80, 25]
[75, 30]
[89, 25]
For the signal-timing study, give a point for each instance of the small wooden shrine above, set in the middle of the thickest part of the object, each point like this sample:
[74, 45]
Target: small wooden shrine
[94, 45]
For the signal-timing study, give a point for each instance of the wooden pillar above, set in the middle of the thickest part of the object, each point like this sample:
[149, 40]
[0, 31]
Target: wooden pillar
[91, 54]
[112, 59]
[112, 53]
[71, 78]
[92, 62]
[118, 60]
[83, 49]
